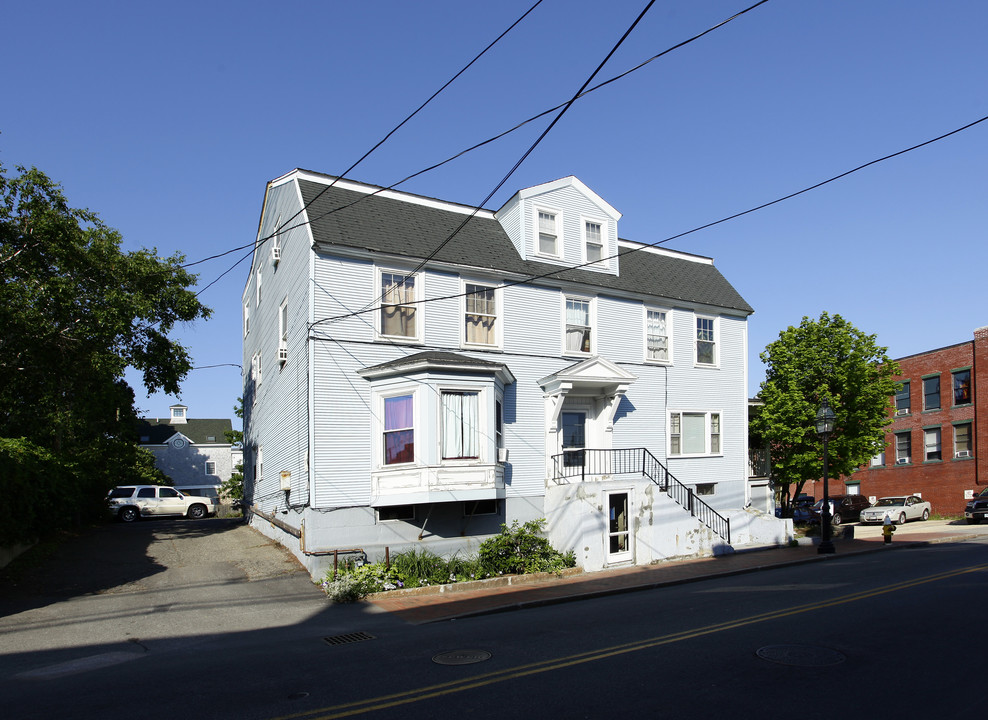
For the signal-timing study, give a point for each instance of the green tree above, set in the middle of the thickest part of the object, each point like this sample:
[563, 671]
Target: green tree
[825, 359]
[75, 312]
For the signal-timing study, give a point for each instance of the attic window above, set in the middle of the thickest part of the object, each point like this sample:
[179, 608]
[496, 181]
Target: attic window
[210, 438]
[178, 413]
[548, 235]
[145, 438]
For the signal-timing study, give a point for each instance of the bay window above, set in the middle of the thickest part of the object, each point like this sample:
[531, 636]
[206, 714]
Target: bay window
[460, 423]
[399, 430]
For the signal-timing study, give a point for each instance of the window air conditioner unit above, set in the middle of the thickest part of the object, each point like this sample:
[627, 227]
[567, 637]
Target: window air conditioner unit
[502, 455]
[901, 412]
[902, 461]
[282, 354]
[962, 453]
[276, 254]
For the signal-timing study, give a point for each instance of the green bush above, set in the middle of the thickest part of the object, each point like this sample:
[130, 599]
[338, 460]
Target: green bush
[522, 549]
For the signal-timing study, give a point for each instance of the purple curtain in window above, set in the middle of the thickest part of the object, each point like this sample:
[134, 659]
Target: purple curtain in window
[399, 435]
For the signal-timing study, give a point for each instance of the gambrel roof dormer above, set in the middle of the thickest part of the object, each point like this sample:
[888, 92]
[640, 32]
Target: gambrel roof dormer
[563, 222]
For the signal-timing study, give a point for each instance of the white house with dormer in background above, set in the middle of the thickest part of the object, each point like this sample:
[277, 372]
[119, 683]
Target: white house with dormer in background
[418, 372]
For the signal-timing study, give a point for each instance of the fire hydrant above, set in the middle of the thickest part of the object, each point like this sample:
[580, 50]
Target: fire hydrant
[887, 529]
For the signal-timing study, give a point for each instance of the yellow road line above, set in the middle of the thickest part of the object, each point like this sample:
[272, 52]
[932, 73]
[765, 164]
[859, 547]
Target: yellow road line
[383, 702]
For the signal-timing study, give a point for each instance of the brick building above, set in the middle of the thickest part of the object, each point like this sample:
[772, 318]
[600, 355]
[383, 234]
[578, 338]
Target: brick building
[935, 447]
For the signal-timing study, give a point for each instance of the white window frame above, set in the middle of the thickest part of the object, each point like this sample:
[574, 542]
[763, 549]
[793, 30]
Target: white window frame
[482, 431]
[585, 241]
[178, 413]
[380, 447]
[669, 321]
[712, 420]
[591, 319]
[464, 342]
[416, 305]
[276, 243]
[536, 235]
[246, 317]
[715, 330]
[283, 325]
[257, 288]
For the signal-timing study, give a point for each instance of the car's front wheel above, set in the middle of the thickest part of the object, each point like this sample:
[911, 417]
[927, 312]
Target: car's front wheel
[197, 512]
[129, 514]
[926, 514]
[902, 518]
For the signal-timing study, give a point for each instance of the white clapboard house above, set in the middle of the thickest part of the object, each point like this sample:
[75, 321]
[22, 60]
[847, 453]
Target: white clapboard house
[418, 372]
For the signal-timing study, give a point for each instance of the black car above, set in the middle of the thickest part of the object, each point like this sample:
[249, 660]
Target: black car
[846, 508]
[976, 509]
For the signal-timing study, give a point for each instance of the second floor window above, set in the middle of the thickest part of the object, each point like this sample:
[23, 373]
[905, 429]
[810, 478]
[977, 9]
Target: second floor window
[480, 316]
[931, 441]
[694, 433]
[931, 393]
[706, 341]
[656, 336]
[397, 308]
[962, 440]
[210, 467]
[578, 325]
[903, 448]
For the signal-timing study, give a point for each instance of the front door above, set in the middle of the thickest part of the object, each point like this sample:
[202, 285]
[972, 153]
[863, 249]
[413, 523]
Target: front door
[574, 438]
[618, 523]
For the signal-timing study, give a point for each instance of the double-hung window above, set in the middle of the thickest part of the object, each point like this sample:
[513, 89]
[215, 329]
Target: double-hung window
[706, 341]
[903, 448]
[246, 317]
[480, 316]
[656, 335]
[931, 444]
[962, 386]
[398, 310]
[902, 398]
[694, 433]
[548, 234]
[210, 467]
[460, 425]
[578, 329]
[594, 241]
[399, 429]
[931, 393]
[283, 332]
[962, 440]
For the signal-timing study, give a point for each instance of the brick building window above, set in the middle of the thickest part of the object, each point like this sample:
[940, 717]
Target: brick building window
[931, 393]
[962, 440]
[902, 399]
[962, 386]
[903, 448]
[931, 444]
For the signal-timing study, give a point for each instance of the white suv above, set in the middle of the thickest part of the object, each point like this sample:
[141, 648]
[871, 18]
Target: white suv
[129, 502]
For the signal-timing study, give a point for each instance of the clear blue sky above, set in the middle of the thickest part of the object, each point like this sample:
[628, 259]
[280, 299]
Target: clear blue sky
[168, 119]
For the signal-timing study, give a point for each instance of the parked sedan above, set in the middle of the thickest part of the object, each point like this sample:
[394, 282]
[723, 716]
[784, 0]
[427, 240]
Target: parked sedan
[900, 509]
[843, 508]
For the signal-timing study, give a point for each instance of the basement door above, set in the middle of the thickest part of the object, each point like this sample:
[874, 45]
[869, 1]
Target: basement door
[618, 522]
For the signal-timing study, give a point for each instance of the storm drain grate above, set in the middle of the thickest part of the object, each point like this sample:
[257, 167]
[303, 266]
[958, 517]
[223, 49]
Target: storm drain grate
[348, 638]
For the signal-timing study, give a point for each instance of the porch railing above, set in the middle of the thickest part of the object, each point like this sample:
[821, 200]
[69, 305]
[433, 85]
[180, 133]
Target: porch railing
[580, 464]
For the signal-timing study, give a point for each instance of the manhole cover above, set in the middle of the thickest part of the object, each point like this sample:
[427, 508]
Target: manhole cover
[461, 657]
[800, 655]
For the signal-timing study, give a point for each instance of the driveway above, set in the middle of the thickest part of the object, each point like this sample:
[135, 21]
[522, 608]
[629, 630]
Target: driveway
[119, 591]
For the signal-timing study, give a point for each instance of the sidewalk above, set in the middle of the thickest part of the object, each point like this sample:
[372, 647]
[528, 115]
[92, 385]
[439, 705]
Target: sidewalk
[425, 605]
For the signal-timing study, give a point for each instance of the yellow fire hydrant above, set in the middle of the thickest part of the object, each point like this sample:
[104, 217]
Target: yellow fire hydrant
[887, 529]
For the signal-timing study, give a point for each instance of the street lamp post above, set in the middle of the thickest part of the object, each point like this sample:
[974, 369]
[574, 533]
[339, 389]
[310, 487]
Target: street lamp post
[824, 427]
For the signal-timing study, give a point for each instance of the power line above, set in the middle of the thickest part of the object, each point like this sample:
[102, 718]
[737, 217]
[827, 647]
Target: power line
[629, 251]
[376, 146]
[479, 145]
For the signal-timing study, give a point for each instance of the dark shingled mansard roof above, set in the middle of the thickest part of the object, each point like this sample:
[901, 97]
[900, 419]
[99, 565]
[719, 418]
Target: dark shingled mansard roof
[197, 430]
[384, 225]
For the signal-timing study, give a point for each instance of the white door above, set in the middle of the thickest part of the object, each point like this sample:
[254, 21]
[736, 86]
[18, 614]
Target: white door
[618, 540]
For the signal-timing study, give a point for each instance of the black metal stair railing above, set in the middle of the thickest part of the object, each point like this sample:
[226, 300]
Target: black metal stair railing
[589, 462]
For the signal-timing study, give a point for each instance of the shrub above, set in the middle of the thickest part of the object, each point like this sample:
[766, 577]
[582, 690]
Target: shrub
[522, 549]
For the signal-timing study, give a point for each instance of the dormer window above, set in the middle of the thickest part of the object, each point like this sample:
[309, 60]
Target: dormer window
[178, 413]
[548, 233]
[594, 242]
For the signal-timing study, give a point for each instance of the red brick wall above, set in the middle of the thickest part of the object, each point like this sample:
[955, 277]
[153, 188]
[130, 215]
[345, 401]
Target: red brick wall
[942, 482]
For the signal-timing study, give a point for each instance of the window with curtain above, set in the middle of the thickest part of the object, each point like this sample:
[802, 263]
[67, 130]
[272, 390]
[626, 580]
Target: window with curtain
[931, 443]
[657, 339]
[694, 433]
[962, 387]
[399, 431]
[481, 315]
[962, 440]
[460, 423]
[577, 325]
[397, 312]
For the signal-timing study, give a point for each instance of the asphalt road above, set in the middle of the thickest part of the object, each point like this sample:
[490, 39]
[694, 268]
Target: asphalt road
[210, 620]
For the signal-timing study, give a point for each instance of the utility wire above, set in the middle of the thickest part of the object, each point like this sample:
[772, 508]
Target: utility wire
[644, 246]
[479, 145]
[377, 145]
